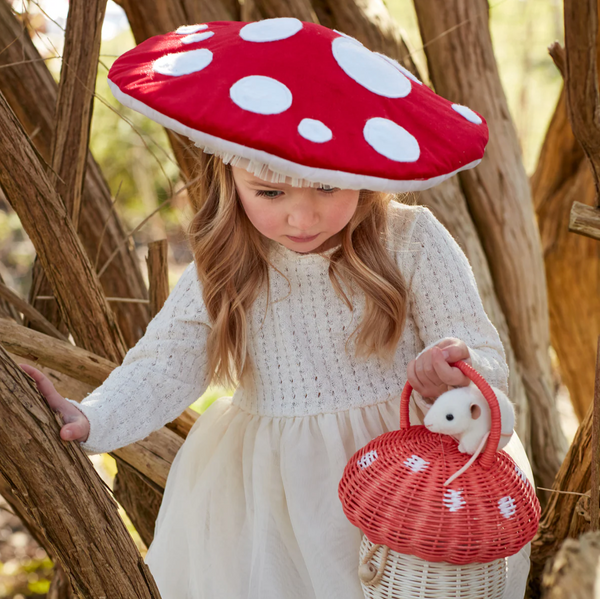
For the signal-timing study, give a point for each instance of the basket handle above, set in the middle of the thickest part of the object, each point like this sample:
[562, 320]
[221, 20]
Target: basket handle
[494, 439]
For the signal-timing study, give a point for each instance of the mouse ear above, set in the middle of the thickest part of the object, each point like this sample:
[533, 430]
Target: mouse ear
[475, 411]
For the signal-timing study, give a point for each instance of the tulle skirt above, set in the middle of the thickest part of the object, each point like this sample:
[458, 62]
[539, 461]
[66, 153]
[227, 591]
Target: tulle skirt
[251, 510]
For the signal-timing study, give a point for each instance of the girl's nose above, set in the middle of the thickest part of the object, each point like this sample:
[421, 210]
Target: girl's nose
[303, 217]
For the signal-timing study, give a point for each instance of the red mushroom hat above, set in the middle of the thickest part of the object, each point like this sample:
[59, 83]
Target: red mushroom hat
[301, 100]
[394, 489]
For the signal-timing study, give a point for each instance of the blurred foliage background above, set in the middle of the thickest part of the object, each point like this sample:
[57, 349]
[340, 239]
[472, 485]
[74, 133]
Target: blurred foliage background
[138, 164]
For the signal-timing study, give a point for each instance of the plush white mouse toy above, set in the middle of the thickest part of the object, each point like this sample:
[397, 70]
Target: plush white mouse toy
[465, 414]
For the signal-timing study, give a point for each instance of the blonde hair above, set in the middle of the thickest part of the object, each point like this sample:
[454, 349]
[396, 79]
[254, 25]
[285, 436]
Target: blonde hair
[232, 260]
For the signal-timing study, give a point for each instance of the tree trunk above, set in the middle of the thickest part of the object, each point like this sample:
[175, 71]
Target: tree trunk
[574, 476]
[463, 68]
[140, 497]
[31, 92]
[74, 103]
[300, 9]
[563, 176]
[79, 519]
[158, 274]
[66, 264]
[573, 573]
[572, 261]
[60, 587]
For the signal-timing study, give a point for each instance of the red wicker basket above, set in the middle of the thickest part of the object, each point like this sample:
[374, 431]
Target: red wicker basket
[394, 490]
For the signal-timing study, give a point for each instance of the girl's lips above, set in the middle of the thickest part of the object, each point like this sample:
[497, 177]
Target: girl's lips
[302, 239]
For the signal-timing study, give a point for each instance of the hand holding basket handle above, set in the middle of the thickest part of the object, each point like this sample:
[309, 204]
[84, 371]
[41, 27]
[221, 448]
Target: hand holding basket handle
[488, 394]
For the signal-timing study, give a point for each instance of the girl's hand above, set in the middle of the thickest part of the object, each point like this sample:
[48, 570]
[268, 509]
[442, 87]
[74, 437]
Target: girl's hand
[77, 427]
[431, 375]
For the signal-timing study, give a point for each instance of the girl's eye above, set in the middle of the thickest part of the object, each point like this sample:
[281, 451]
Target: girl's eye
[328, 189]
[266, 193]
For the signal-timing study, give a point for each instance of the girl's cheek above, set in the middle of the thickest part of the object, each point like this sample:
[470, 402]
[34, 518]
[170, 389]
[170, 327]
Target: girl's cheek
[343, 211]
[267, 220]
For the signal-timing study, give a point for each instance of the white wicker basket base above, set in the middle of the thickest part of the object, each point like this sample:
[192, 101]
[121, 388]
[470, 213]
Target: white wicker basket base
[409, 577]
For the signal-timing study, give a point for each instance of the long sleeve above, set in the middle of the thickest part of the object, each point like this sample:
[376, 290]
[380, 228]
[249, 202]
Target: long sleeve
[160, 376]
[445, 301]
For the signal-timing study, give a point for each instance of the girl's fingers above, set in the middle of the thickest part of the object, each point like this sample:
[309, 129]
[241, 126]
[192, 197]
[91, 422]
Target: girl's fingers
[429, 372]
[450, 375]
[44, 385]
[413, 378]
[75, 432]
[54, 399]
[454, 350]
[421, 383]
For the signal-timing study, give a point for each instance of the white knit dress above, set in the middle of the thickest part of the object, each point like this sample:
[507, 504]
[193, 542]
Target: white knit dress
[250, 509]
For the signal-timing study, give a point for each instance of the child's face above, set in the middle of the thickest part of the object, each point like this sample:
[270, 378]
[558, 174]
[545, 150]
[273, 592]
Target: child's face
[284, 213]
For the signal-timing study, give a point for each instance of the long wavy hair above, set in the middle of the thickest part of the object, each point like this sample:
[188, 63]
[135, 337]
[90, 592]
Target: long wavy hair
[232, 260]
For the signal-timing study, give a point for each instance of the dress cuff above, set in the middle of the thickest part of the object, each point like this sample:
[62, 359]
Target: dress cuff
[490, 369]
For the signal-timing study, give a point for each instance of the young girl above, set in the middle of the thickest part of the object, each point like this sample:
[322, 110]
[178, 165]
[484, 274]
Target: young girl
[318, 302]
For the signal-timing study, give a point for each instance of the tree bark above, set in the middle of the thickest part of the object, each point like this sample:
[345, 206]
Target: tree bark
[574, 476]
[572, 261]
[60, 587]
[585, 220]
[139, 497]
[300, 9]
[463, 68]
[76, 362]
[42, 213]
[31, 92]
[158, 274]
[74, 102]
[573, 573]
[7, 309]
[78, 518]
[6, 293]
[581, 79]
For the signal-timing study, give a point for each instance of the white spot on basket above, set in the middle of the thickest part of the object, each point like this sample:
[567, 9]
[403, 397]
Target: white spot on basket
[262, 95]
[404, 71]
[197, 37]
[368, 459]
[521, 474]
[314, 130]
[391, 140]
[467, 113]
[369, 70]
[453, 500]
[187, 29]
[416, 464]
[183, 63]
[507, 506]
[271, 30]
[349, 37]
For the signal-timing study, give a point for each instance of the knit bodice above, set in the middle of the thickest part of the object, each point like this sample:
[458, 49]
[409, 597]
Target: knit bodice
[301, 365]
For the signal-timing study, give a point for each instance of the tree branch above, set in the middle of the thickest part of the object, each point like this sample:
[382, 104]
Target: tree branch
[78, 518]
